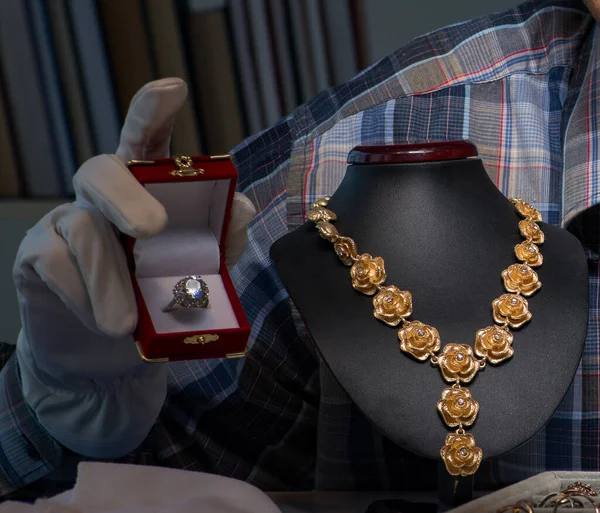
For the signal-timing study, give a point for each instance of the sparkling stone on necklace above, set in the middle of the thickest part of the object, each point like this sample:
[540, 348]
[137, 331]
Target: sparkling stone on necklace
[496, 336]
[460, 357]
[389, 299]
[513, 301]
[421, 333]
[461, 401]
[535, 227]
[361, 271]
[463, 452]
[193, 288]
[531, 249]
[523, 269]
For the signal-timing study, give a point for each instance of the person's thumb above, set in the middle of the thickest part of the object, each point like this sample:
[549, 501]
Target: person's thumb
[149, 122]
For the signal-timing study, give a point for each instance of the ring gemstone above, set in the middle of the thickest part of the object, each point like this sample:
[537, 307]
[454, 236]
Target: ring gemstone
[193, 288]
[191, 292]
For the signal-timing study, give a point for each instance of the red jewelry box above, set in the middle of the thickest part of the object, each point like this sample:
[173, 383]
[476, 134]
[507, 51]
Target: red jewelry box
[197, 193]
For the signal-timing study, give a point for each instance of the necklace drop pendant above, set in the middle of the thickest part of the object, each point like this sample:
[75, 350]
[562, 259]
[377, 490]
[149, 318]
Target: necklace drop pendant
[460, 454]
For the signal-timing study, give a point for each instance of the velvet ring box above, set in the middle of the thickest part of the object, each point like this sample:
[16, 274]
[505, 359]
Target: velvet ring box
[197, 193]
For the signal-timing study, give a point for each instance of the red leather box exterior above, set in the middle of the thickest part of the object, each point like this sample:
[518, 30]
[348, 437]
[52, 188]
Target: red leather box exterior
[217, 343]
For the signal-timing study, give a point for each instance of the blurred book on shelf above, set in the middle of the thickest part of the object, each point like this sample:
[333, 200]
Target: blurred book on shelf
[69, 69]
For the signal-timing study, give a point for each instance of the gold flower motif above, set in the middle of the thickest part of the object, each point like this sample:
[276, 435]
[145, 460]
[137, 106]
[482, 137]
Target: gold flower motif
[327, 231]
[345, 249]
[511, 309]
[461, 455]
[526, 210]
[521, 278]
[458, 407]
[529, 253]
[392, 305]
[494, 343]
[530, 230]
[457, 363]
[367, 272]
[419, 340]
[321, 202]
[318, 214]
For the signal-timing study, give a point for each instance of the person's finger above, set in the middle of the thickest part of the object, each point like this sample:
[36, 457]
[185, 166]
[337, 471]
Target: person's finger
[105, 182]
[76, 253]
[149, 122]
[43, 254]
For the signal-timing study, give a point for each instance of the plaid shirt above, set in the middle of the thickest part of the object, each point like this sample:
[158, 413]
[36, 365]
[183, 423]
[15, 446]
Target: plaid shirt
[523, 86]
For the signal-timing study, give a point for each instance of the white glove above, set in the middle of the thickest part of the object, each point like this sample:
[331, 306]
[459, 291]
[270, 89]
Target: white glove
[80, 368]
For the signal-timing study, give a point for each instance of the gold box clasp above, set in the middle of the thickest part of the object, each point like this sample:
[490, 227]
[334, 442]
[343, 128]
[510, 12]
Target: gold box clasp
[185, 167]
[201, 339]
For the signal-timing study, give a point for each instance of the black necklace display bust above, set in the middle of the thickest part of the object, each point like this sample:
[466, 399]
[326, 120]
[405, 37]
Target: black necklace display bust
[445, 233]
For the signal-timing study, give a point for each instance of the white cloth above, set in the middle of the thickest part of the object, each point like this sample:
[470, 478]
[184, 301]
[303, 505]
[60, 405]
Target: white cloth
[116, 488]
[79, 365]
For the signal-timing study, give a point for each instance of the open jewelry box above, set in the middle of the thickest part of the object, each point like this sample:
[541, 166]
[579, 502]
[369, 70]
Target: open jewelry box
[197, 194]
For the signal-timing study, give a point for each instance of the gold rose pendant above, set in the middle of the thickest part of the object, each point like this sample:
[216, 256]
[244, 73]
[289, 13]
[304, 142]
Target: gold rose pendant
[457, 406]
[460, 454]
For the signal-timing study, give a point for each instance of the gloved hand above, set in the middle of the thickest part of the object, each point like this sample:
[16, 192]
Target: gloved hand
[80, 369]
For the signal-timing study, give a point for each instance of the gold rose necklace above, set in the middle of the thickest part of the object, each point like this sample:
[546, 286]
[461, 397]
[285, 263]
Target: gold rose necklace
[458, 363]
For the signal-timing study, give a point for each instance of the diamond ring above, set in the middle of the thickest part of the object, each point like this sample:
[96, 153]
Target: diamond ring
[189, 292]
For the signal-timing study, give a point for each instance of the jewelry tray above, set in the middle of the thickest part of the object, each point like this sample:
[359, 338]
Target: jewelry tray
[534, 490]
[197, 197]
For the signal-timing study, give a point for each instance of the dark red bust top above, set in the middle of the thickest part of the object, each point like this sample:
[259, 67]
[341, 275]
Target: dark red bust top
[408, 153]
